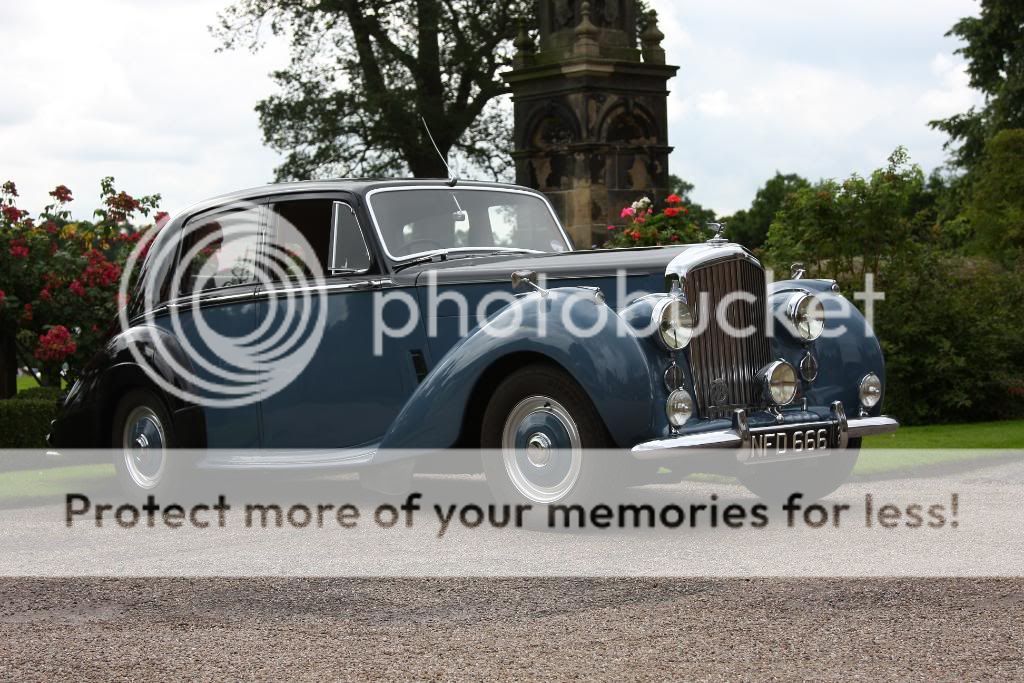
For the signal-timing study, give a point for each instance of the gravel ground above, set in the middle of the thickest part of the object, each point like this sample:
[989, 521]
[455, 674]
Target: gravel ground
[356, 629]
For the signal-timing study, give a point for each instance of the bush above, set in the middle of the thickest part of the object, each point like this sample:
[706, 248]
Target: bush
[950, 329]
[25, 423]
[50, 394]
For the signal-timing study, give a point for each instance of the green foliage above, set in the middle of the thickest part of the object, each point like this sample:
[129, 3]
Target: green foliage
[950, 321]
[996, 209]
[363, 72]
[994, 51]
[750, 227]
[843, 230]
[25, 423]
[950, 329]
[38, 394]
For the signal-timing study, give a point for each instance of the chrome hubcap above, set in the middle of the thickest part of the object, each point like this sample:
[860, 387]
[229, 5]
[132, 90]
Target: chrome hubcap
[143, 444]
[541, 449]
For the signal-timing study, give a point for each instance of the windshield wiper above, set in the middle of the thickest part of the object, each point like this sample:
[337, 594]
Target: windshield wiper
[428, 258]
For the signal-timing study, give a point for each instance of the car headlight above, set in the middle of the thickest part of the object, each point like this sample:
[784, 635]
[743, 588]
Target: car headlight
[679, 407]
[674, 321]
[870, 390]
[807, 314]
[779, 380]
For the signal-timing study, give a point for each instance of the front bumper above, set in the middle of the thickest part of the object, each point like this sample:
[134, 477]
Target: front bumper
[740, 433]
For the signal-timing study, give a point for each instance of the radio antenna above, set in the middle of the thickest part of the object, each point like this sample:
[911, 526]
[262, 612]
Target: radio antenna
[453, 177]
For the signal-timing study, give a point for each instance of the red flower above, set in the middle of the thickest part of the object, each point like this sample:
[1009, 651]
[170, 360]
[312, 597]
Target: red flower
[26, 312]
[77, 288]
[18, 248]
[50, 227]
[675, 238]
[635, 234]
[100, 272]
[55, 345]
[61, 193]
[2, 296]
[120, 205]
[673, 199]
[160, 218]
[12, 213]
[671, 212]
[44, 294]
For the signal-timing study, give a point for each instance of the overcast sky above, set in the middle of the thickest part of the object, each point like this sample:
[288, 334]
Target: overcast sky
[135, 90]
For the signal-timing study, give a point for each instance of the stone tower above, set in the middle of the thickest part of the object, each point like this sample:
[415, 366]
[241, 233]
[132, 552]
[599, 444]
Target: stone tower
[590, 120]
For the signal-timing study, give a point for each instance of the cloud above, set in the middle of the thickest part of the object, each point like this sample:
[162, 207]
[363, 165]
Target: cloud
[820, 89]
[135, 90]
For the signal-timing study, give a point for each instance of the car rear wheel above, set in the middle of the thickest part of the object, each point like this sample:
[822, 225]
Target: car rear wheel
[142, 437]
[538, 430]
[814, 478]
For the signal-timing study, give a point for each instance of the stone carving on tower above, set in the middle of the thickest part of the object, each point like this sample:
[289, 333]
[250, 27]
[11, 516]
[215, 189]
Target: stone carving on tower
[590, 111]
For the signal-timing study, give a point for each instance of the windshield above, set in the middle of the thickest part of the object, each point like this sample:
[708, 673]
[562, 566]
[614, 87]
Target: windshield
[419, 221]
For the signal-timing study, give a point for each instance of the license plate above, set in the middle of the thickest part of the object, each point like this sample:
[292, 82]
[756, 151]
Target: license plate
[788, 444]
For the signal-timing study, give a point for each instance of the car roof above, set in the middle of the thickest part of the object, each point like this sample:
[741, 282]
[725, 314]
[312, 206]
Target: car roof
[354, 185]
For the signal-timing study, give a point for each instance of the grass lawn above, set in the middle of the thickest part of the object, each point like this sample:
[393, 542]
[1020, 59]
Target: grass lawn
[1005, 434]
[26, 382]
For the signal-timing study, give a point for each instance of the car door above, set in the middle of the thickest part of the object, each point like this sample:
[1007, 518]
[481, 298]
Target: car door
[344, 395]
[213, 312]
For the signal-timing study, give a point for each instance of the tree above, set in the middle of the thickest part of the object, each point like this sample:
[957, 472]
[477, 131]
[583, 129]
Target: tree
[363, 72]
[995, 63]
[996, 209]
[845, 229]
[750, 228]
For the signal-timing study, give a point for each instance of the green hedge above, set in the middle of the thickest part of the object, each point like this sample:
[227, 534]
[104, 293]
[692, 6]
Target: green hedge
[25, 422]
[50, 394]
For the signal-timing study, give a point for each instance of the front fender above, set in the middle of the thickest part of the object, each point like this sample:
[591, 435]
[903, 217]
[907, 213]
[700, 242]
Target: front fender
[606, 360]
[846, 351]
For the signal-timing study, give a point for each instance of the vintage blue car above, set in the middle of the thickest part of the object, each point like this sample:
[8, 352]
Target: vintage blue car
[458, 318]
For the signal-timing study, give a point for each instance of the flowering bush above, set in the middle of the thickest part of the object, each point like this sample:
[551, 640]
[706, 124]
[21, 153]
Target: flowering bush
[59, 277]
[646, 228]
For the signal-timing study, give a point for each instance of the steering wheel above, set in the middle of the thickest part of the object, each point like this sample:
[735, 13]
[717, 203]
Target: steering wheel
[430, 243]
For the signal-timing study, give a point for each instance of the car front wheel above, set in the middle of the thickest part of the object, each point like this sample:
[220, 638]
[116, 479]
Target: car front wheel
[538, 432]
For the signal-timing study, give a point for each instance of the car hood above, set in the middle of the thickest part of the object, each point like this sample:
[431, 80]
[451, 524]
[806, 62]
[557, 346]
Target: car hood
[644, 261]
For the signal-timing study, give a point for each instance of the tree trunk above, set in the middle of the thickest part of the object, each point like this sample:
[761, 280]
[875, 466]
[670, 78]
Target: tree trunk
[8, 366]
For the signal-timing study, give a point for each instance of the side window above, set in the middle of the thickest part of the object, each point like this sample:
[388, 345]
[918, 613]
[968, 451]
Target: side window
[219, 250]
[348, 252]
[317, 231]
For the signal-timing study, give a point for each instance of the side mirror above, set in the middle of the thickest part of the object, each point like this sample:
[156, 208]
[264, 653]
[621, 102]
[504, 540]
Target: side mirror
[526, 278]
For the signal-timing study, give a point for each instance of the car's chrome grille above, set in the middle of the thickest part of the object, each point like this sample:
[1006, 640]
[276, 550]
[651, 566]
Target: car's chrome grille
[724, 365]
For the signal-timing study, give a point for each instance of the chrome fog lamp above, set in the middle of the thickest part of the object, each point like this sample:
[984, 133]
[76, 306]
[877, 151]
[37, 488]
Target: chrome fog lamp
[779, 381]
[679, 407]
[870, 390]
[674, 321]
[807, 314]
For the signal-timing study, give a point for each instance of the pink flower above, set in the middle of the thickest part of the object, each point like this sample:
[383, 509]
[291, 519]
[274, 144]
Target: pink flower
[627, 212]
[611, 227]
